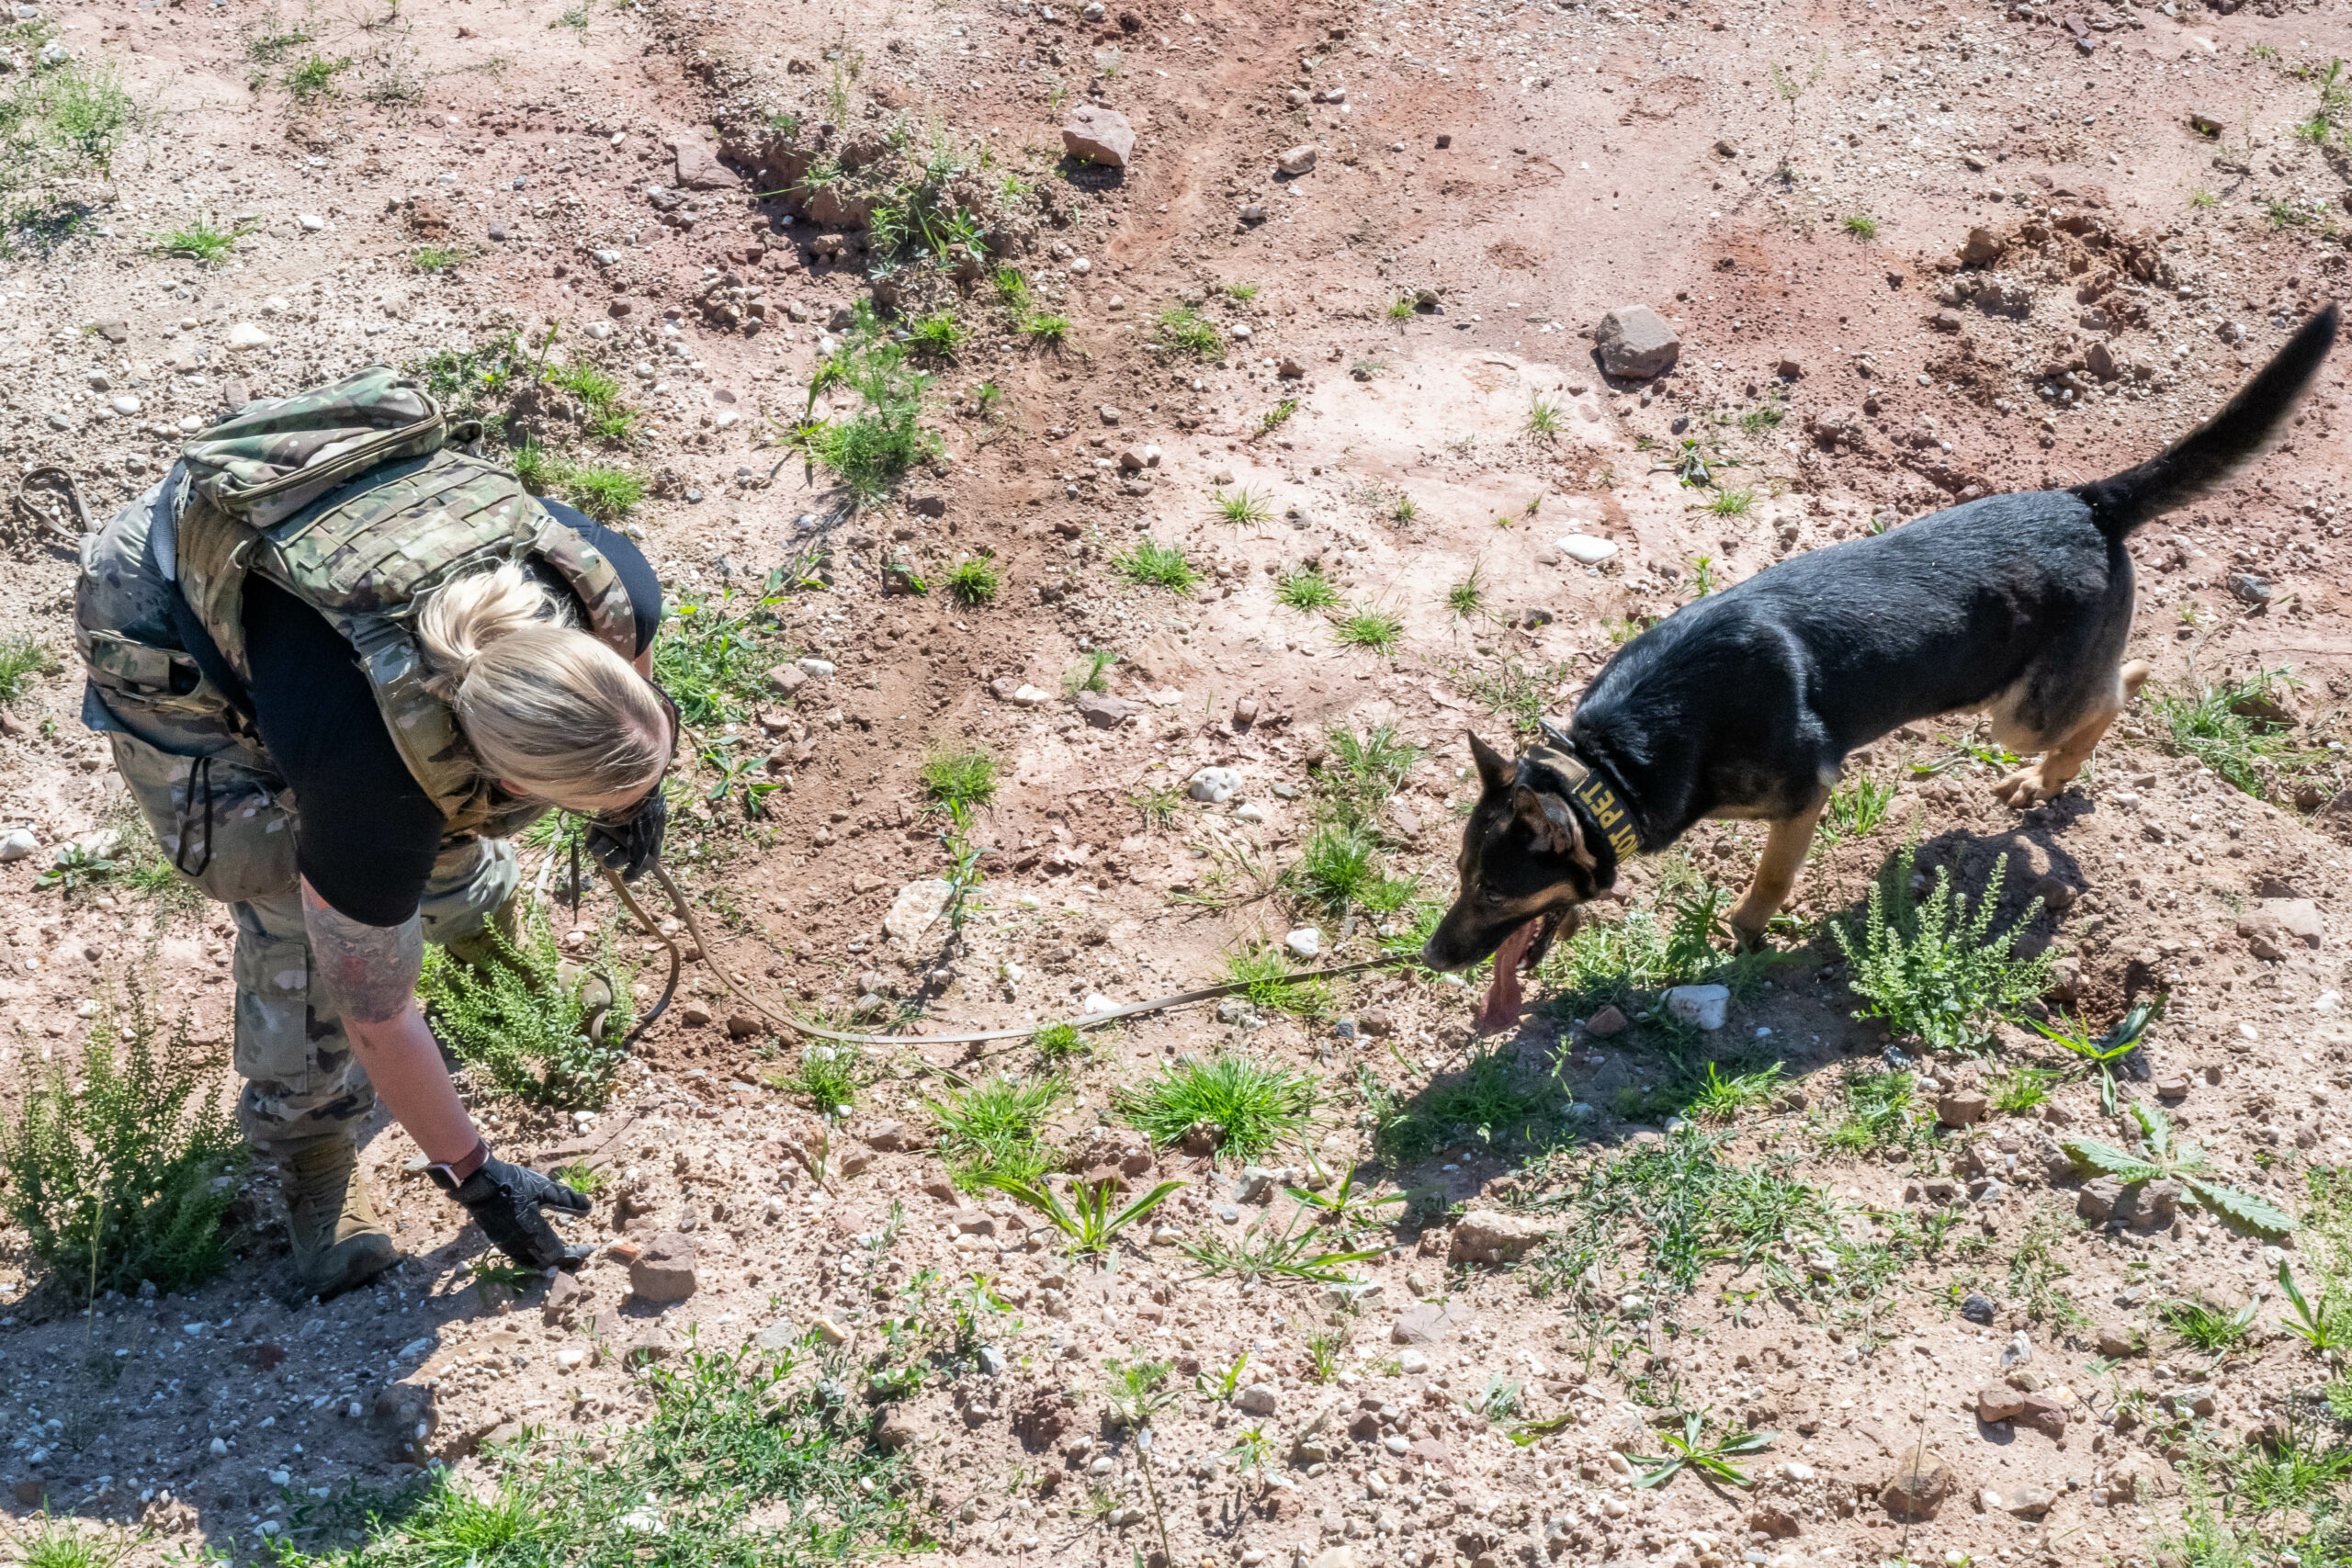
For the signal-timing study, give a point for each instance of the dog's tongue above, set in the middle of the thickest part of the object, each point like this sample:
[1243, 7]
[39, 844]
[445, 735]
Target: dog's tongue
[1501, 1010]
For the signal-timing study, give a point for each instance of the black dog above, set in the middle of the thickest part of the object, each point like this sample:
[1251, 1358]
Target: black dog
[1745, 703]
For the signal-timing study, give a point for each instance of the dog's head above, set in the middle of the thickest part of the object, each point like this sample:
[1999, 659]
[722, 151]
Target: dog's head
[1530, 855]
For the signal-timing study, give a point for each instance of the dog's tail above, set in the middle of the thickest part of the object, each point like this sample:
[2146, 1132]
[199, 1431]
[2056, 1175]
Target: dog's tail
[2207, 456]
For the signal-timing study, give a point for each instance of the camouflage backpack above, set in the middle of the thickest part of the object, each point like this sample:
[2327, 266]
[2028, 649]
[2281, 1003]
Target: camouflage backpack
[359, 500]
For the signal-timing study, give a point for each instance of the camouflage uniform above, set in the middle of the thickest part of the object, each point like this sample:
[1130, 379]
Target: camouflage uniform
[194, 764]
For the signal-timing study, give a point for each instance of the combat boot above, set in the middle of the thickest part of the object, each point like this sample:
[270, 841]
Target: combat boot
[338, 1241]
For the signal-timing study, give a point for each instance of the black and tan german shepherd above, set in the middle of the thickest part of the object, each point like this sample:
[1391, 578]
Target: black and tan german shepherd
[1745, 703]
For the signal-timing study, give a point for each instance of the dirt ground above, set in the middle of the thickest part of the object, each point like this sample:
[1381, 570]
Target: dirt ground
[1914, 254]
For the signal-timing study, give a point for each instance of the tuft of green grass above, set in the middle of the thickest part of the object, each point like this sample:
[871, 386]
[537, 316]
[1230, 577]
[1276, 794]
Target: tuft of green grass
[1265, 969]
[1762, 418]
[1467, 597]
[1860, 225]
[1341, 867]
[1374, 630]
[1401, 308]
[1185, 331]
[1542, 416]
[2237, 729]
[127, 1173]
[2201, 198]
[1274, 418]
[1856, 809]
[1934, 970]
[1249, 1105]
[871, 447]
[1093, 675]
[21, 659]
[314, 79]
[516, 1013]
[1242, 508]
[437, 258]
[594, 387]
[1243, 292]
[1155, 565]
[1405, 510]
[712, 658]
[603, 493]
[992, 1128]
[2020, 1089]
[1877, 1113]
[1731, 502]
[1487, 1099]
[1059, 1041]
[2206, 1328]
[826, 1077]
[1045, 327]
[973, 580]
[1723, 1099]
[1305, 588]
[965, 777]
[51, 1542]
[199, 241]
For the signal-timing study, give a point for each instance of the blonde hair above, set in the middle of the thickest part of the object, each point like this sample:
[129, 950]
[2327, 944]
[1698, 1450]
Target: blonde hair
[548, 710]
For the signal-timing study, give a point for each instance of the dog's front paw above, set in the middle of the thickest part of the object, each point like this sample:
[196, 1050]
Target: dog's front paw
[2026, 788]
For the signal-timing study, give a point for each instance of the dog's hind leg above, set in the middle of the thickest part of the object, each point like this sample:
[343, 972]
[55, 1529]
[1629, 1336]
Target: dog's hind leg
[2064, 758]
[1785, 844]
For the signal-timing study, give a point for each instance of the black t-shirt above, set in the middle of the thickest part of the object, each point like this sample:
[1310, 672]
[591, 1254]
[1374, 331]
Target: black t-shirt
[366, 833]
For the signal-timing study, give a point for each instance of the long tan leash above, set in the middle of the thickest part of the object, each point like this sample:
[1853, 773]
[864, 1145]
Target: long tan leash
[809, 1030]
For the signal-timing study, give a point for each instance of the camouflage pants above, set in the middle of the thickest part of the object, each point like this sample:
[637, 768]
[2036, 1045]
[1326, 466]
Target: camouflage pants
[226, 821]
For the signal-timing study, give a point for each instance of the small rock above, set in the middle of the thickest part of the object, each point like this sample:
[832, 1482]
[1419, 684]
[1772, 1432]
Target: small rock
[2250, 588]
[1983, 247]
[664, 1271]
[887, 1136]
[1609, 1020]
[2097, 1200]
[786, 679]
[245, 336]
[1298, 160]
[1099, 136]
[1424, 1323]
[2045, 1414]
[1978, 1308]
[1306, 941]
[1918, 1483]
[916, 907]
[1635, 342]
[1962, 1108]
[898, 1430]
[1258, 1399]
[1215, 785]
[1587, 549]
[1702, 1006]
[18, 843]
[1999, 1402]
[1491, 1237]
[2022, 1498]
[1102, 711]
[311, 222]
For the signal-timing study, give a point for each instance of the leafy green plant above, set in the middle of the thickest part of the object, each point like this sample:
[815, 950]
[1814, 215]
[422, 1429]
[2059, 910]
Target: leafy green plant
[992, 1127]
[1403, 509]
[1725, 1097]
[960, 777]
[712, 657]
[1090, 1222]
[2021, 1089]
[129, 1173]
[1274, 418]
[1860, 225]
[1877, 1113]
[528, 1020]
[2326, 1327]
[1731, 502]
[314, 78]
[199, 240]
[2202, 198]
[1935, 970]
[581, 1176]
[1703, 576]
[1344, 1207]
[972, 580]
[2103, 1053]
[1372, 629]
[1045, 327]
[1305, 588]
[870, 448]
[1498, 1401]
[1153, 564]
[51, 1542]
[1542, 416]
[437, 258]
[1247, 1104]
[2159, 1158]
[940, 335]
[1856, 808]
[21, 659]
[1185, 331]
[1692, 1452]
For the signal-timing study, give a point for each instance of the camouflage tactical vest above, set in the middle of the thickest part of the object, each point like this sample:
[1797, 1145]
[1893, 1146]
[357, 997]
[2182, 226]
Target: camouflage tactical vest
[357, 499]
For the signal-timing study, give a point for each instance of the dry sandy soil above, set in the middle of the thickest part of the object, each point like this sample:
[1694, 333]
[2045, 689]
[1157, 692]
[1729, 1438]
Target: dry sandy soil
[1914, 254]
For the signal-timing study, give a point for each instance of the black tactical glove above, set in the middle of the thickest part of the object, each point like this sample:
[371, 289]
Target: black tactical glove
[505, 1200]
[629, 846]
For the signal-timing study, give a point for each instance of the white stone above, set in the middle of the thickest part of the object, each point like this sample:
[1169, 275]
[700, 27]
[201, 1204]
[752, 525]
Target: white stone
[1412, 1362]
[1030, 697]
[1258, 1399]
[1081, 266]
[1701, 1004]
[916, 907]
[245, 336]
[1306, 941]
[312, 222]
[818, 668]
[124, 404]
[1215, 785]
[1585, 548]
[18, 843]
[1097, 1002]
[1248, 812]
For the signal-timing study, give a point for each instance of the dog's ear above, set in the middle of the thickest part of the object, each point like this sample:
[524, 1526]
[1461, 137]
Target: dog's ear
[1554, 822]
[1494, 768]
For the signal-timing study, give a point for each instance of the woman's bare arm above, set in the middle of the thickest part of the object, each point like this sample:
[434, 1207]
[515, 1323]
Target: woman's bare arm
[370, 974]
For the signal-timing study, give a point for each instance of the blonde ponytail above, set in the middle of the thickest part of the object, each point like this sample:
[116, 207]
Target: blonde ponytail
[550, 711]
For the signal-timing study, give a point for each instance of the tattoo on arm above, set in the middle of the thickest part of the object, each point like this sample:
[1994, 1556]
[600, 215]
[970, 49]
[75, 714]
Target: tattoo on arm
[370, 971]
